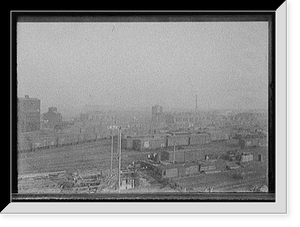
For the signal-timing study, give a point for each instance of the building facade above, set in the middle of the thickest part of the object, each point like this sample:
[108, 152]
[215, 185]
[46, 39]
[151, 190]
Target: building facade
[29, 114]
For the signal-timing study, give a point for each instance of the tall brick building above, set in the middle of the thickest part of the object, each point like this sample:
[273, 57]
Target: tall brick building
[28, 114]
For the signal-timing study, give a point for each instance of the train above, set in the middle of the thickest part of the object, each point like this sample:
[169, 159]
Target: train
[165, 141]
[38, 142]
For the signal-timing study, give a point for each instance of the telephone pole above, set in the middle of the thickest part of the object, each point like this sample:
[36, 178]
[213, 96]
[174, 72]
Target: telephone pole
[112, 146]
[174, 152]
[120, 158]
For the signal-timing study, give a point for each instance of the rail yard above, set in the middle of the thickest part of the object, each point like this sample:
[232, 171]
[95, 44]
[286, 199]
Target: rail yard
[85, 167]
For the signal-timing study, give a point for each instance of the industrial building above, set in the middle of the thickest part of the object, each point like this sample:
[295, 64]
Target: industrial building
[52, 118]
[157, 119]
[29, 114]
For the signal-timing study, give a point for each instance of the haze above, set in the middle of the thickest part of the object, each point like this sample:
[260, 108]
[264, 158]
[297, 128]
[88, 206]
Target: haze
[137, 65]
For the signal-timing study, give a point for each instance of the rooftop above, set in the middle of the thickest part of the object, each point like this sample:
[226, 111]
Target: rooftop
[169, 165]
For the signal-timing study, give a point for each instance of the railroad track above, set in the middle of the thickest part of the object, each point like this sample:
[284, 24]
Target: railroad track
[72, 159]
[223, 180]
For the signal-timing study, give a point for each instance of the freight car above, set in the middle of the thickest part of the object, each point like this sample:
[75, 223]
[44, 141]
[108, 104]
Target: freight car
[39, 141]
[199, 138]
[149, 143]
[181, 156]
[218, 135]
[71, 139]
[164, 171]
[178, 140]
[90, 137]
[249, 142]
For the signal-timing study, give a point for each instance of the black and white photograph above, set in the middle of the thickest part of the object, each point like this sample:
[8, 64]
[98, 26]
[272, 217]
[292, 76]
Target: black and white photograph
[156, 106]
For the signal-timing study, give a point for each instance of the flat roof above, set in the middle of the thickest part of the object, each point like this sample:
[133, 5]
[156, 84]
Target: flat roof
[23, 98]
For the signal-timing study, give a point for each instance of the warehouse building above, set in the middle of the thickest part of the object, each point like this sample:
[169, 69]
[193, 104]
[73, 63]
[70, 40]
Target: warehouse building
[29, 114]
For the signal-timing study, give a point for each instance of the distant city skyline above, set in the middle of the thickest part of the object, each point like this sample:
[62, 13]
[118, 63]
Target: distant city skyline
[138, 65]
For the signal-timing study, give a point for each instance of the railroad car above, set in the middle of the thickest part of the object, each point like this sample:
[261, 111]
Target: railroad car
[219, 135]
[81, 138]
[127, 143]
[61, 140]
[90, 137]
[38, 143]
[148, 143]
[51, 142]
[173, 170]
[71, 139]
[178, 140]
[199, 138]
[182, 156]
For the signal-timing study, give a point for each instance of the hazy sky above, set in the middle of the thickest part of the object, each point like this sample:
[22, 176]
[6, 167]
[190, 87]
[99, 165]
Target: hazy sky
[68, 65]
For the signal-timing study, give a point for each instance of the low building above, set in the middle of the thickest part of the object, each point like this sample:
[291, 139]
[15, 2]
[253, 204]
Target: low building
[246, 157]
[128, 179]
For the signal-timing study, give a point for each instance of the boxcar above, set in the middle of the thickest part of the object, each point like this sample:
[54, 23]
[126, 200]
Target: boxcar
[71, 139]
[90, 137]
[81, 138]
[178, 140]
[127, 143]
[200, 138]
[148, 143]
[38, 143]
[168, 156]
[61, 140]
[51, 141]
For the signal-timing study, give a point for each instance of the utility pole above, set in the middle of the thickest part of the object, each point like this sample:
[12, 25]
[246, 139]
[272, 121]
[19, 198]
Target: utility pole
[112, 146]
[120, 160]
[174, 152]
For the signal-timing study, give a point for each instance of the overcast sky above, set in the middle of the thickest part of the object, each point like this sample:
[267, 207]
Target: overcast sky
[137, 65]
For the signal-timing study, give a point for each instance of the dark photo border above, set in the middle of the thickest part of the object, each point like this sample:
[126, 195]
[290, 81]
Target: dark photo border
[144, 16]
